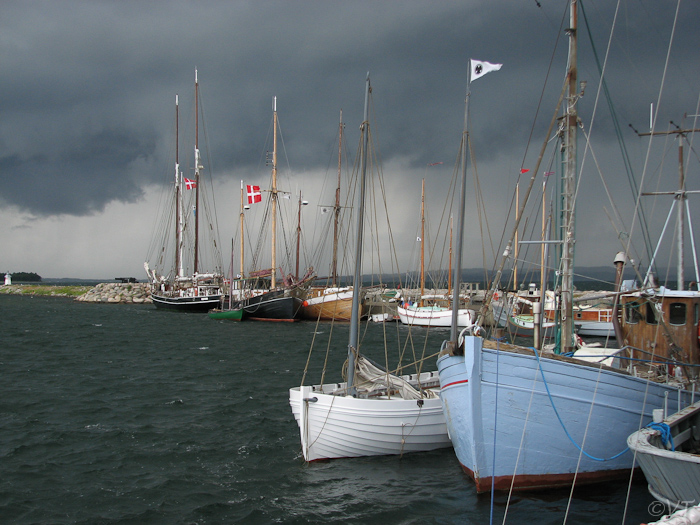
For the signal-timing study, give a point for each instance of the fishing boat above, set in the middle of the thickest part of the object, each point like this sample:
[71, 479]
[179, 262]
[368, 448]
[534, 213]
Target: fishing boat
[269, 299]
[592, 321]
[430, 310]
[514, 311]
[668, 451]
[374, 412]
[174, 287]
[332, 302]
[523, 419]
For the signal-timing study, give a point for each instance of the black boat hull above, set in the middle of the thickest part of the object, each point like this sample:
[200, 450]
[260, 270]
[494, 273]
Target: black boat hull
[276, 305]
[200, 304]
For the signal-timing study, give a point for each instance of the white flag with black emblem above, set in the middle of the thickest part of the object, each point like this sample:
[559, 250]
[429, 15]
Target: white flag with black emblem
[480, 68]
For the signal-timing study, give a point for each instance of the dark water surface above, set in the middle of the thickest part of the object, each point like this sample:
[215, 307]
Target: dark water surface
[127, 414]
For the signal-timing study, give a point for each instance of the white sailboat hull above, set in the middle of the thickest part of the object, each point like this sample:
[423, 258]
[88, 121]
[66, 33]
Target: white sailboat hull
[434, 316]
[337, 426]
[595, 328]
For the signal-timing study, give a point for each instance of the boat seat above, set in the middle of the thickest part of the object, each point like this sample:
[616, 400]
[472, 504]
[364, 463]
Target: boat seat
[682, 437]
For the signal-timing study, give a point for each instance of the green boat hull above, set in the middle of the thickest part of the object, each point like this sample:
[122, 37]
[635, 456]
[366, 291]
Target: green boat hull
[232, 315]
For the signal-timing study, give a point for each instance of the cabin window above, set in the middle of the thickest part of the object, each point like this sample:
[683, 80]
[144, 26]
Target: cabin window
[676, 313]
[696, 313]
[651, 314]
[632, 312]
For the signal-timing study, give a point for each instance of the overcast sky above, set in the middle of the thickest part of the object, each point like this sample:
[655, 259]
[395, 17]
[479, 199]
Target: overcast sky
[87, 96]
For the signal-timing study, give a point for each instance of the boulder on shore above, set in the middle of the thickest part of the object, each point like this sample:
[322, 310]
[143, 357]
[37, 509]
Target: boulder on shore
[118, 293]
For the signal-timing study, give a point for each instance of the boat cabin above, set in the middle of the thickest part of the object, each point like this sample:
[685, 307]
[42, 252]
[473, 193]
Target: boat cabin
[663, 324]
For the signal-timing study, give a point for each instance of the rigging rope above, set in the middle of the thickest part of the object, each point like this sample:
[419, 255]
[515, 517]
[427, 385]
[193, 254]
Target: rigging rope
[664, 432]
[561, 422]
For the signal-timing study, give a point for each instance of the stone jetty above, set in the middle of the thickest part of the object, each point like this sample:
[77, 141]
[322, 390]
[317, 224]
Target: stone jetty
[117, 293]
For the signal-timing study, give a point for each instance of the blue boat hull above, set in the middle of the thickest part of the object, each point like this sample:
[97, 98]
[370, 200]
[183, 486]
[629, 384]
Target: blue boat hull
[500, 410]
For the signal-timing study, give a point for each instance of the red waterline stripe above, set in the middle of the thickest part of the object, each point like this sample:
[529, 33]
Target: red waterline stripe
[455, 383]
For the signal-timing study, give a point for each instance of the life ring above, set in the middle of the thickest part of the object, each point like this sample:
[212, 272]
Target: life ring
[495, 296]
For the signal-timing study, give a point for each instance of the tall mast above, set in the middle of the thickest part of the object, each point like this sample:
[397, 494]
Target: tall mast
[197, 167]
[242, 239]
[336, 219]
[682, 197]
[680, 262]
[178, 196]
[449, 271]
[274, 193]
[515, 245]
[422, 245]
[460, 222]
[571, 122]
[357, 281]
[296, 270]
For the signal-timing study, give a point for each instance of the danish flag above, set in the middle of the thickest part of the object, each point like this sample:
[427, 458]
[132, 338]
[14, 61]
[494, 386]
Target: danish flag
[254, 194]
[189, 183]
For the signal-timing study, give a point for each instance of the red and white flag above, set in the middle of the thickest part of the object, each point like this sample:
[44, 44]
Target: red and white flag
[254, 194]
[189, 183]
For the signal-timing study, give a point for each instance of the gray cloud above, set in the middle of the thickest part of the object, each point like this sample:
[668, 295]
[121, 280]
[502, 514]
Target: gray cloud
[86, 98]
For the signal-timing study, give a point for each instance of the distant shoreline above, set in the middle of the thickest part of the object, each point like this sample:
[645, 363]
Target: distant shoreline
[99, 293]
[48, 290]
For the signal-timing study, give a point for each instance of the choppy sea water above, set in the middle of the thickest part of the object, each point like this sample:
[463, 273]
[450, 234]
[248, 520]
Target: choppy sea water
[127, 414]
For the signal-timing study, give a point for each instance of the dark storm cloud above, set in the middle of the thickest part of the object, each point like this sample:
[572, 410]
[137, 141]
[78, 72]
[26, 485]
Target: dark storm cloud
[87, 91]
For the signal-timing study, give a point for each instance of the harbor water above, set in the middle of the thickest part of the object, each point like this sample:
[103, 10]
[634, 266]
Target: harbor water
[128, 414]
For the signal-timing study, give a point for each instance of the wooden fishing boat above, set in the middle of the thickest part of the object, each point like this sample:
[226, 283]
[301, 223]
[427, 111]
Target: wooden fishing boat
[332, 301]
[522, 419]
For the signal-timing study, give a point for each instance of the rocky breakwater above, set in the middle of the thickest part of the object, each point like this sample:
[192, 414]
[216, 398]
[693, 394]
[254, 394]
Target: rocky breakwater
[117, 293]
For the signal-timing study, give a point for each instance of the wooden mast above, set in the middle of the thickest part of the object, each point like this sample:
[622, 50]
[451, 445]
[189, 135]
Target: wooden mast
[273, 282]
[301, 203]
[178, 195]
[568, 222]
[196, 173]
[336, 219]
[241, 226]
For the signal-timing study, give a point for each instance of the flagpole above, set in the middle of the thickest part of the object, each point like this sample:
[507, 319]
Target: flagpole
[242, 239]
[460, 224]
